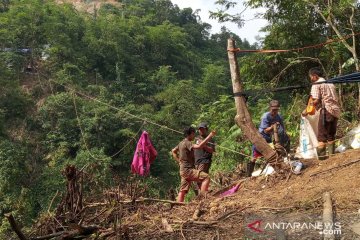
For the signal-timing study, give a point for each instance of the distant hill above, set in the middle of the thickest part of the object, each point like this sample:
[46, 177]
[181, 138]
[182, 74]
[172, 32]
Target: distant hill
[90, 5]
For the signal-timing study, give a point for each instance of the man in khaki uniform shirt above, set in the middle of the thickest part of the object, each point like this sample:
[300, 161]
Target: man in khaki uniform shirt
[183, 153]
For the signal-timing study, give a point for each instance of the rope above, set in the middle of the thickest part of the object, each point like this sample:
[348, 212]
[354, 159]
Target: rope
[83, 135]
[329, 41]
[146, 120]
[122, 111]
[349, 78]
[137, 117]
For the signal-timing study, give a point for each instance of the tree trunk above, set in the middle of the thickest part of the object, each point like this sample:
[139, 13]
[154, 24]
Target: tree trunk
[243, 118]
[331, 21]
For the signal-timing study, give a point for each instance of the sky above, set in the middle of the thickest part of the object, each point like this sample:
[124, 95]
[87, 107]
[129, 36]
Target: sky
[250, 30]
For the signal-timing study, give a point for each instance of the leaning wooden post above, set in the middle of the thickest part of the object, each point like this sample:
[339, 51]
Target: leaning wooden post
[243, 118]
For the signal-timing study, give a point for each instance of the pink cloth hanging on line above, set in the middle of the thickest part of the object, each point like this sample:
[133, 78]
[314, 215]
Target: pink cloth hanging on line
[144, 155]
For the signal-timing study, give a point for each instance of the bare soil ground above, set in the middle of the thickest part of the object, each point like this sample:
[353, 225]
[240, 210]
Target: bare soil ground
[275, 199]
[297, 200]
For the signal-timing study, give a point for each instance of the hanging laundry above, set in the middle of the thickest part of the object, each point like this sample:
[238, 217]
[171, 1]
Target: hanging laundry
[144, 155]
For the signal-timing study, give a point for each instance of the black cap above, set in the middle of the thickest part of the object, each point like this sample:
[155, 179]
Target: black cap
[203, 125]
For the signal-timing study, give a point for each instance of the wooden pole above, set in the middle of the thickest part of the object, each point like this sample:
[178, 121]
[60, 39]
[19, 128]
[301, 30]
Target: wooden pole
[328, 222]
[15, 227]
[243, 118]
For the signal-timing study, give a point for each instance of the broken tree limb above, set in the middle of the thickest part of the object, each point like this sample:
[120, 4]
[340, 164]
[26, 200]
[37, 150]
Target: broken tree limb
[154, 200]
[231, 213]
[328, 222]
[243, 118]
[225, 215]
[205, 223]
[142, 200]
[336, 167]
[79, 231]
[50, 236]
[15, 227]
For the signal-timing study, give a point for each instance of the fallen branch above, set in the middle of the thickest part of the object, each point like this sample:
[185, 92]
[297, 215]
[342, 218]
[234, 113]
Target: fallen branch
[154, 200]
[50, 236]
[52, 200]
[340, 166]
[181, 230]
[277, 209]
[15, 227]
[143, 200]
[206, 223]
[225, 215]
[230, 213]
[80, 231]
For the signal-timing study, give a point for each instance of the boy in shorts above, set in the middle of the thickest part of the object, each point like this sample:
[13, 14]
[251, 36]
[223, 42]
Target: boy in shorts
[183, 153]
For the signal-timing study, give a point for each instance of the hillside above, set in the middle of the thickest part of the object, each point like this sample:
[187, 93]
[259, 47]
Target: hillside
[91, 6]
[81, 80]
[273, 198]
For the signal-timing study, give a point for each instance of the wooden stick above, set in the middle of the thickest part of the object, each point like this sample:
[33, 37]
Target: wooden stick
[225, 215]
[181, 230]
[230, 213]
[50, 236]
[81, 230]
[138, 201]
[328, 222]
[206, 223]
[52, 200]
[15, 227]
[274, 208]
[340, 166]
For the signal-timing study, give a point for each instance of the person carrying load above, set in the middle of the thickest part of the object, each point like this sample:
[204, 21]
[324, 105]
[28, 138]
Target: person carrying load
[325, 99]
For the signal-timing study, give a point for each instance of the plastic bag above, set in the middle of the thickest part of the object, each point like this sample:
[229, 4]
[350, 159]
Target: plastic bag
[351, 140]
[267, 171]
[308, 140]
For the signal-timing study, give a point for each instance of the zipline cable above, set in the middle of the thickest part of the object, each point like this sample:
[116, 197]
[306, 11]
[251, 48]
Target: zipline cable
[140, 118]
[83, 135]
[329, 41]
[349, 78]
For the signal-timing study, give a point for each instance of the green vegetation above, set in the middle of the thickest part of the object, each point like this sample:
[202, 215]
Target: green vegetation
[145, 57]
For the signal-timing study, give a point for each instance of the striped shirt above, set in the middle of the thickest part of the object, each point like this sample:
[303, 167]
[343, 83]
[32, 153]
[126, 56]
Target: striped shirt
[326, 93]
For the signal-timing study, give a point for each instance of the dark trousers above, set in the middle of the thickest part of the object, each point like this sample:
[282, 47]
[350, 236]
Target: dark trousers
[326, 127]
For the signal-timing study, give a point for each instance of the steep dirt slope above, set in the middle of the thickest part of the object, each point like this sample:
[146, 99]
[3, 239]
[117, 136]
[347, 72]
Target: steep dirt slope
[297, 200]
[260, 201]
